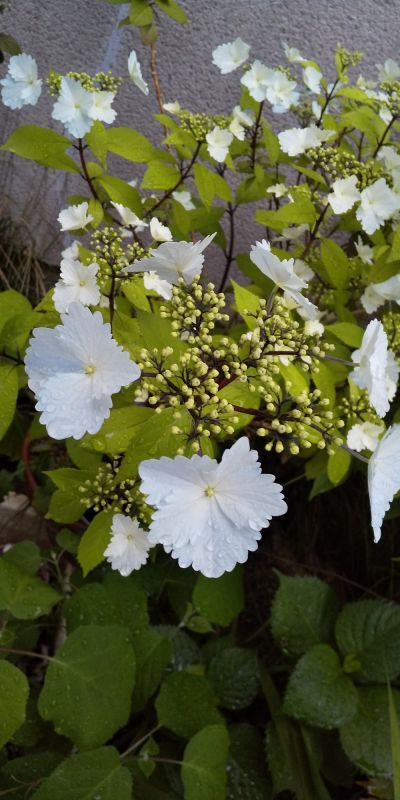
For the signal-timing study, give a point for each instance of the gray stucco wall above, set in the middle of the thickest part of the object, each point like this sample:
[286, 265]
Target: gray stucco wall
[83, 35]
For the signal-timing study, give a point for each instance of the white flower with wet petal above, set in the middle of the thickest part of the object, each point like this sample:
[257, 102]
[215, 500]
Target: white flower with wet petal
[77, 284]
[384, 477]
[135, 73]
[378, 203]
[296, 141]
[73, 369]
[283, 274]
[129, 545]
[344, 194]
[364, 436]
[364, 251]
[376, 369]
[73, 107]
[228, 57]
[159, 232]
[376, 294]
[209, 515]
[155, 284]
[218, 142]
[174, 260]
[21, 86]
[75, 218]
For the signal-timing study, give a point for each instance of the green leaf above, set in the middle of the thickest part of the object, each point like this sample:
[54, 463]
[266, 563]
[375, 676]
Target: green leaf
[140, 13]
[8, 395]
[335, 262]
[9, 45]
[271, 143]
[186, 703]
[88, 685]
[160, 176]
[12, 303]
[395, 742]
[42, 145]
[130, 601]
[366, 739]
[94, 541]
[129, 144]
[368, 631]
[220, 600]
[97, 141]
[65, 506]
[13, 699]
[297, 213]
[173, 9]
[117, 432]
[247, 776]
[233, 673]
[23, 595]
[87, 776]
[339, 464]
[204, 764]
[24, 555]
[154, 439]
[318, 692]
[303, 614]
[90, 605]
[152, 654]
[246, 303]
[209, 184]
[119, 191]
[324, 381]
[347, 332]
[19, 774]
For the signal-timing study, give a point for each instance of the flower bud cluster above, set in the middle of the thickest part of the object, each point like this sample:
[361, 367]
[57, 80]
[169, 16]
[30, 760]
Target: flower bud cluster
[101, 81]
[356, 408]
[340, 164]
[106, 492]
[198, 125]
[391, 324]
[194, 311]
[347, 59]
[391, 101]
[112, 257]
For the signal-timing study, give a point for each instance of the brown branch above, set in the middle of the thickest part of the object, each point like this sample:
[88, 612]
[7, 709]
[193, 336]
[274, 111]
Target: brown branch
[155, 78]
[255, 134]
[383, 137]
[81, 148]
[183, 177]
[229, 254]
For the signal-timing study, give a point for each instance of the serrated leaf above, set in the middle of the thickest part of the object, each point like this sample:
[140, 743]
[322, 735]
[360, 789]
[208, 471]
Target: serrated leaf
[42, 145]
[204, 764]
[160, 176]
[233, 674]
[173, 9]
[247, 777]
[8, 395]
[129, 144]
[90, 605]
[87, 776]
[338, 466]
[335, 262]
[220, 600]
[318, 692]
[24, 595]
[94, 541]
[369, 631]
[140, 13]
[303, 614]
[186, 703]
[209, 184]
[152, 654]
[366, 739]
[88, 685]
[347, 332]
[13, 699]
[130, 600]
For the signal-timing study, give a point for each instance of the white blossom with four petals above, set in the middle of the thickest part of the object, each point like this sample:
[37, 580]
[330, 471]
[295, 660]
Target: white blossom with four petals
[129, 545]
[296, 141]
[376, 369]
[218, 142]
[364, 436]
[174, 260]
[228, 57]
[257, 80]
[376, 294]
[283, 274]
[209, 515]
[73, 107]
[378, 203]
[21, 86]
[344, 194]
[281, 92]
[312, 78]
[75, 217]
[77, 284]
[101, 106]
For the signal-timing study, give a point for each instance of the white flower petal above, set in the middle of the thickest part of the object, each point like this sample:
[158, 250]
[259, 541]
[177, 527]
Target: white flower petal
[375, 372]
[159, 232]
[21, 86]
[135, 73]
[129, 546]
[174, 260]
[228, 57]
[384, 477]
[74, 218]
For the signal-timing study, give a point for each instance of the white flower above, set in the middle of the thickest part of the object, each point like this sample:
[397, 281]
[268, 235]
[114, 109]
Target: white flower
[391, 159]
[74, 218]
[159, 232]
[364, 84]
[376, 369]
[313, 327]
[77, 284]
[209, 515]
[312, 78]
[292, 232]
[21, 85]
[129, 545]
[293, 54]
[364, 251]
[282, 273]
[245, 118]
[344, 194]
[281, 92]
[237, 129]
[295, 141]
[364, 436]
[154, 284]
[135, 72]
[172, 108]
[174, 260]
[378, 203]
[101, 106]
[302, 270]
[71, 252]
[389, 71]
[384, 477]
[376, 294]
[73, 107]
[278, 190]
[230, 56]
[218, 141]
[257, 80]
[185, 199]
[73, 369]
[129, 217]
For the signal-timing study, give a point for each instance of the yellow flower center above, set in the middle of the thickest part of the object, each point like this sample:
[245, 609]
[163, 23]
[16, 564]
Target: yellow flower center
[209, 491]
[90, 369]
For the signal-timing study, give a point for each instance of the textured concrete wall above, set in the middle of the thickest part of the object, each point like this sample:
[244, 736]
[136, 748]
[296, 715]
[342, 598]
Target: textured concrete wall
[83, 35]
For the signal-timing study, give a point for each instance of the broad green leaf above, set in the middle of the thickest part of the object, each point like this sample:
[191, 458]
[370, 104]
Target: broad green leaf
[140, 13]
[366, 739]
[173, 9]
[270, 142]
[209, 184]
[247, 776]
[186, 703]
[335, 262]
[319, 693]
[24, 595]
[118, 430]
[339, 464]
[24, 555]
[152, 654]
[160, 176]
[8, 395]
[303, 614]
[130, 600]
[347, 332]
[297, 213]
[368, 632]
[154, 439]
[296, 381]
[65, 506]
[88, 685]
[90, 605]
[13, 699]
[94, 541]
[9, 45]
[324, 381]
[220, 600]
[247, 304]
[11, 304]
[119, 191]
[97, 141]
[204, 764]
[394, 742]
[68, 478]
[20, 773]
[87, 776]
[234, 676]
[129, 144]
[82, 457]
[365, 120]
[42, 145]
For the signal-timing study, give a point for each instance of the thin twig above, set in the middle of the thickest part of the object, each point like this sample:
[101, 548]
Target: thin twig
[182, 178]
[229, 254]
[255, 134]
